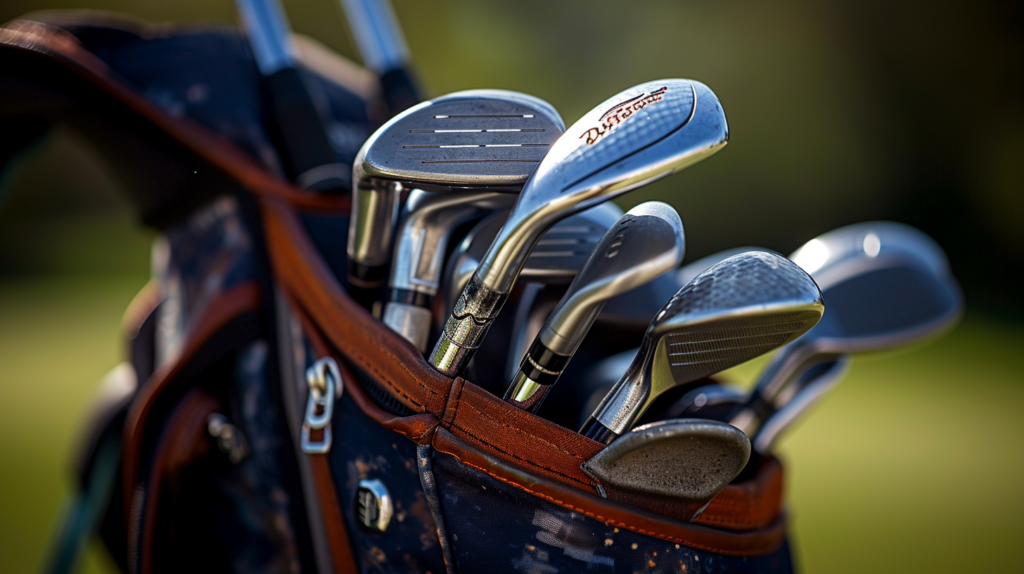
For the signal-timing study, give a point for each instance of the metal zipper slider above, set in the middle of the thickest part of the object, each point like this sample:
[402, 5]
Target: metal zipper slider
[325, 385]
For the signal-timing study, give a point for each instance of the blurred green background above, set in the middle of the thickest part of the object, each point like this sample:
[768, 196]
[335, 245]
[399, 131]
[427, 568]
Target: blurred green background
[912, 111]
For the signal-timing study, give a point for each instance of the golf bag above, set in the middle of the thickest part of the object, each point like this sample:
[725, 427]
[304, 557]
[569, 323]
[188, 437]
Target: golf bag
[264, 422]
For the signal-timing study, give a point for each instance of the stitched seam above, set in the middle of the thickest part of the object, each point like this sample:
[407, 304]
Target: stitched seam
[528, 435]
[593, 515]
[519, 458]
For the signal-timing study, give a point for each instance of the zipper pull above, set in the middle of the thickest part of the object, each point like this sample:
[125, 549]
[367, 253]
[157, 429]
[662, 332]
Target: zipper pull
[325, 385]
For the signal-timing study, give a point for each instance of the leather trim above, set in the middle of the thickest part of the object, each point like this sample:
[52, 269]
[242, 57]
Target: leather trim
[750, 543]
[182, 442]
[141, 307]
[334, 523]
[233, 303]
[52, 43]
[370, 347]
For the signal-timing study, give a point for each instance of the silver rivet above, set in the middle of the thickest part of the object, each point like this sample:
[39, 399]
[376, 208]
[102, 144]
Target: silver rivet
[373, 505]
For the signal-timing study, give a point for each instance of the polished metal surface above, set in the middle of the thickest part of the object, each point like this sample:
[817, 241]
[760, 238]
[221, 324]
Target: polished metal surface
[377, 34]
[739, 309]
[475, 140]
[266, 27]
[811, 387]
[429, 219]
[695, 268]
[887, 285]
[687, 460]
[707, 402]
[325, 386]
[374, 507]
[556, 259]
[646, 242]
[638, 136]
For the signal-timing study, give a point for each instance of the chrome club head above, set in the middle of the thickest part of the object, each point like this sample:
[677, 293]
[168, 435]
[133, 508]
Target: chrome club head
[695, 268]
[638, 136]
[887, 285]
[475, 140]
[430, 218]
[743, 307]
[687, 460]
[646, 242]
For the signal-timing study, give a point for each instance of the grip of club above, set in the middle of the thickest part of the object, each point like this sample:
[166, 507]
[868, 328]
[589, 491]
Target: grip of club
[595, 430]
[539, 371]
[309, 157]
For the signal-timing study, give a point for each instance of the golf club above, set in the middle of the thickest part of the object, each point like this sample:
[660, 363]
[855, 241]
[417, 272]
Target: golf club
[743, 307]
[383, 49]
[646, 242]
[886, 284]
[309, 158]
[429, 220]
[478, 140]
[686, 460]
[638, 136]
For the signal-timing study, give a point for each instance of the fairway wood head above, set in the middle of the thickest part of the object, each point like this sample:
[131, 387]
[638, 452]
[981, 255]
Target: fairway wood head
[638, 136]
[473, 140]
[887, 285]
[644, 243]
[687, 460]
[739, 309]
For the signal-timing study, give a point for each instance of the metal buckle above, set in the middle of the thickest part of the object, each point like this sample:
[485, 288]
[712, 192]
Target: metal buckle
[325, 384]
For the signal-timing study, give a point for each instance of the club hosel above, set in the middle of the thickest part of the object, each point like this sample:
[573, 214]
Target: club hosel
[628, 398]
[472, 317]
[410, 321]
[595, 430]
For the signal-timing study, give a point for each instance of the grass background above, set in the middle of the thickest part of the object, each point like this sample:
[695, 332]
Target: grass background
[912, 464]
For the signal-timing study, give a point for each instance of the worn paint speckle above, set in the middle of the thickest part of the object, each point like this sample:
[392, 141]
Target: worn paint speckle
[651, 563]
[531, 547]
[633, 547]
[608, 542]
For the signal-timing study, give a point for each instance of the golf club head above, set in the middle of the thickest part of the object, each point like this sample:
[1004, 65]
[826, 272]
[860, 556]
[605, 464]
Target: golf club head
[887, 285]
[687, 460]
[636, 137]
[695, 268]
[557, 258]
[645, 243]
[483, 140]
[426, 227]
[739, 309]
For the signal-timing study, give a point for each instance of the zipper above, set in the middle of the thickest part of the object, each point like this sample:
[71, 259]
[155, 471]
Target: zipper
[325, 385]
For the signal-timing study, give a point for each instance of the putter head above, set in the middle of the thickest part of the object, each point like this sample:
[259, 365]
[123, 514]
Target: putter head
[636, 137]
[687, 460]
[473, 140]
[739, 309]
[643, 244]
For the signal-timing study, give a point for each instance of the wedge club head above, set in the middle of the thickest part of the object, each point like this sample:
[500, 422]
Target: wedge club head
[482, 140]
[638, 136]
[645, 243]
[739, 309]
[686, 460]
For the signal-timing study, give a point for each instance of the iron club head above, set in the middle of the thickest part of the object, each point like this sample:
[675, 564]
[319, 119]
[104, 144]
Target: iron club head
[429, 219]
[636, 137]
[743, 307]
[646, 242]
[887, 285]
[475, 140]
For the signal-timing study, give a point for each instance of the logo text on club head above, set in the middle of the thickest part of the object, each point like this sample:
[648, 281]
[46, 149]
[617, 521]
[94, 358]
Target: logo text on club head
[620, 113]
